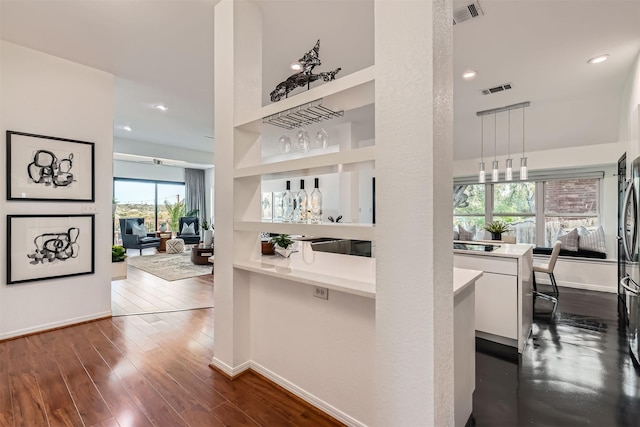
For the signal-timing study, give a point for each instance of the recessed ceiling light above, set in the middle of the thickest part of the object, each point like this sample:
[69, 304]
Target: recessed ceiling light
[598, 59]
[127, 128]
[160, 107]
[469, 75]
[296, 66]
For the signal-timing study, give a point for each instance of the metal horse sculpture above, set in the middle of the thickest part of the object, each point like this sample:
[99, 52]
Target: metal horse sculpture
[308, 62]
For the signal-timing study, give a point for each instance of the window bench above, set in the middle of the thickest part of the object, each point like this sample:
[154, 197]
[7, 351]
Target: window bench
[539, 250]
[580, 270]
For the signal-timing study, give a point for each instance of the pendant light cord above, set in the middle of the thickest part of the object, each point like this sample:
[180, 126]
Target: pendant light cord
[509, 138]
[495, 137]
[482, 139]
[523, 132]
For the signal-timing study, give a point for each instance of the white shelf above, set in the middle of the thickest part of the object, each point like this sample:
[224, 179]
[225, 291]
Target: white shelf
[344, 93]
[349, 274]
[338, 231]
[297, 166]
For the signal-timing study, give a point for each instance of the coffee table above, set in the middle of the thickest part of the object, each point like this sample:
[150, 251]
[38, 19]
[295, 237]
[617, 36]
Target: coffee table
[200, 254]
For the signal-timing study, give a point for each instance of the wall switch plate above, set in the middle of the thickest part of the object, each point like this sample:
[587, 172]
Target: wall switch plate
[319, 292]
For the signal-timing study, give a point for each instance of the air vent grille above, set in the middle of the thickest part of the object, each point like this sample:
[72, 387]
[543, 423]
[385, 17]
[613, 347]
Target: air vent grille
[464, 13]
[496, 89]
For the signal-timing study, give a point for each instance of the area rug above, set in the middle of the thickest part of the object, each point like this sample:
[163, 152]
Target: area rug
[169, 267]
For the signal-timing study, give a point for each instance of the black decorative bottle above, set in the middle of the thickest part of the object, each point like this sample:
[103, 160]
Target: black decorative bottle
[301, 214]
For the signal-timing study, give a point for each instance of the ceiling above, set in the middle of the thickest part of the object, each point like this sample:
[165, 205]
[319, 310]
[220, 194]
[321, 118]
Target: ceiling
[162, 52]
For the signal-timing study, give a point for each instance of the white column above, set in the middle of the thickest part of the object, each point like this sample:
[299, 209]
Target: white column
[414, 299]
[237, 72]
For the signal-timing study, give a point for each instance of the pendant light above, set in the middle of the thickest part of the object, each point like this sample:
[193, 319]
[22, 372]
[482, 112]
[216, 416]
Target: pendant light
[481, 172]
[523, 160]
[508, 175]
[495, 173]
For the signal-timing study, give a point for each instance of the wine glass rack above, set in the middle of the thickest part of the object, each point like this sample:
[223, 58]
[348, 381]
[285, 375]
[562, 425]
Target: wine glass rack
[305, 114]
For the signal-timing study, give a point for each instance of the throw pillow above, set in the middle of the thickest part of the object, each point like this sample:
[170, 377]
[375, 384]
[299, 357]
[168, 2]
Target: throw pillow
[569, 239]
[467, 234]
[592, 240]
[188, 228]
[139, 230]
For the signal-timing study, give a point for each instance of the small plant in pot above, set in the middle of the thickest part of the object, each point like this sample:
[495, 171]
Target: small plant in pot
[118, 253]
[283, 245]
[118, 262]
[496, 228]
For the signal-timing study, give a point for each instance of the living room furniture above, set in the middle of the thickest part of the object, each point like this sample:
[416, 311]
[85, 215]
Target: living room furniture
[175, 246]
[134, 235]
[189, 230]
[200, 254]
[164, 236]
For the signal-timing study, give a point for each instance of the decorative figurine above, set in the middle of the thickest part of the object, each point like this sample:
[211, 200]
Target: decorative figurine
[308, 62]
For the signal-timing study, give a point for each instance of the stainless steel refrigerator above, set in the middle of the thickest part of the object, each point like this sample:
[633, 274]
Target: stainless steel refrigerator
[628, 253]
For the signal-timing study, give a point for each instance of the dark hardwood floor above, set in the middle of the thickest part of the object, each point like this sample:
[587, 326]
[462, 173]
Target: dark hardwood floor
[144, 370]
[575, 371]
[142, 292]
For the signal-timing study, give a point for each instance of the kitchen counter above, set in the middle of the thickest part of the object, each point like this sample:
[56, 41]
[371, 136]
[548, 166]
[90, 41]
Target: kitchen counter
[504, 293]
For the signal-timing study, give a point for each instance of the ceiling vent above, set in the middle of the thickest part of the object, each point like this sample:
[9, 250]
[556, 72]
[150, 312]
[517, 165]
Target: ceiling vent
[464, 13]
[500, 88]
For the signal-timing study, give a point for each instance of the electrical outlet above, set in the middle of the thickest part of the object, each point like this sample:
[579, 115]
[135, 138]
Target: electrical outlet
[319, 292]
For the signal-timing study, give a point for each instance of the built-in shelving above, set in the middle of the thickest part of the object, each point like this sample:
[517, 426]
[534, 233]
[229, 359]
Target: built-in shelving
[345, 93]
[342, 273]
[308, 164]
[335, 230]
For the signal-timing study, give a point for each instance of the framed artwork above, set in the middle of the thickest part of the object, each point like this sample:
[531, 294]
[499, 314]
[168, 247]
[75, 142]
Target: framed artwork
[43, 247]
[47, 168]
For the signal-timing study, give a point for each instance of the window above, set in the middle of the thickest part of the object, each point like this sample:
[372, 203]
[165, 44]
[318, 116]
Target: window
[534, 210]
[143, 199]
[568, 204]
[515, 204]
[469, 206]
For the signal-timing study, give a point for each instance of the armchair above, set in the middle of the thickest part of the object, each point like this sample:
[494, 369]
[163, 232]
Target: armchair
[130, 240]
[189, 230]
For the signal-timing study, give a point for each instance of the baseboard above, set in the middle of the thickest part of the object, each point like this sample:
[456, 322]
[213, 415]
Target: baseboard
[576, 285]
[287, 385]
[229, 371]
[54, 325]
[306, 396]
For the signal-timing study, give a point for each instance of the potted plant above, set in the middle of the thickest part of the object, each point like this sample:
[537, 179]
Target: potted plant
[207, 237]
[283, 245]
[266, 243]
[118, 262]
[496, 228]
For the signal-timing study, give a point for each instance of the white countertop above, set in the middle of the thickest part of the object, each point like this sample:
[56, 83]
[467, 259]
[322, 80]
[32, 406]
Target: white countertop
[351, 274]
[463, 277]
[505, 250]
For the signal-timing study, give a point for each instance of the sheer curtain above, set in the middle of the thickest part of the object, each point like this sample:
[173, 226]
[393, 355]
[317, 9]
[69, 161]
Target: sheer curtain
[194, 192]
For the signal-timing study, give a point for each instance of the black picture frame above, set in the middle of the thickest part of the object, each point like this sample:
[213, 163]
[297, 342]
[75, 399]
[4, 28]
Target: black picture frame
[48, 168]
[41, 247]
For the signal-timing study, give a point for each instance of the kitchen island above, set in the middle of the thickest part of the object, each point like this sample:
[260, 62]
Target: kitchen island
[504, 293]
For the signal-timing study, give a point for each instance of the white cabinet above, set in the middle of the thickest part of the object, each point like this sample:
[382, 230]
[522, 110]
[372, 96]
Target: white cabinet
[497, 304]
[503, 294]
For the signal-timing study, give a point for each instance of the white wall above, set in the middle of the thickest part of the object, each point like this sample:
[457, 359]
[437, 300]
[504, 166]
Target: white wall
[315, 345]
[135, 170]
[46, 95]
[630, 116]
[163, 152]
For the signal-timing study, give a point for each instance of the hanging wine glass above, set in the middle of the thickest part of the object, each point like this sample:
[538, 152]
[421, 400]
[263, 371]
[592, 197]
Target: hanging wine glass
[285, 143]
[303, 140]
[322, 139]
